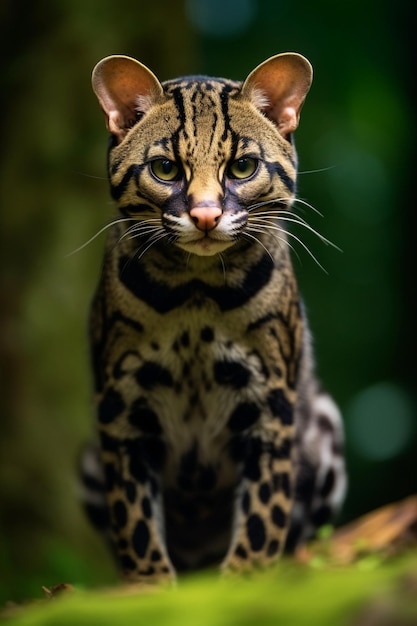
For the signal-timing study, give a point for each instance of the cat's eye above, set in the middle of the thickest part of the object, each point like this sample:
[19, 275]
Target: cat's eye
[165, 170]
[243, 168]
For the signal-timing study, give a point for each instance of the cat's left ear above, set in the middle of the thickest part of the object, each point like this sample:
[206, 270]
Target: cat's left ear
[278, 88]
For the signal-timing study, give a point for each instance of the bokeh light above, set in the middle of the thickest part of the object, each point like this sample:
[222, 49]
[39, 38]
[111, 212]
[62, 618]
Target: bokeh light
[220, 18]
[380, 421]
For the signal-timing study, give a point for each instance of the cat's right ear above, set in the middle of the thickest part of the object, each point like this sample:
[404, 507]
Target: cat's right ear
[125, 89]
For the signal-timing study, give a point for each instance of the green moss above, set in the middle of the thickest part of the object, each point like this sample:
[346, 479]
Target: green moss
[289, 594]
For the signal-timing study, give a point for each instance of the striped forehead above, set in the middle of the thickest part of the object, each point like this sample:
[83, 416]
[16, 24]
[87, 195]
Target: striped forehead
[202, 111]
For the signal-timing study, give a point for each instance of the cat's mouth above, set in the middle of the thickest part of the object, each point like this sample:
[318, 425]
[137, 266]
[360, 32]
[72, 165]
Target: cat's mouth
[205, 245]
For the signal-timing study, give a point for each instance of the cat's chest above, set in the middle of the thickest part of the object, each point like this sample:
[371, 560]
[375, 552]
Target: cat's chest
[191, 378]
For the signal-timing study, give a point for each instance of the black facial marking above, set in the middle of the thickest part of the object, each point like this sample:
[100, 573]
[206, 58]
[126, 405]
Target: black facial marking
[140, 538]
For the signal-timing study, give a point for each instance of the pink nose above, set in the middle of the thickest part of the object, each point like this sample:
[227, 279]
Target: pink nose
[205, 217]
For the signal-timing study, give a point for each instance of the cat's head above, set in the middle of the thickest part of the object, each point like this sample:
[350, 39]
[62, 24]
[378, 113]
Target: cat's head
[194, 159]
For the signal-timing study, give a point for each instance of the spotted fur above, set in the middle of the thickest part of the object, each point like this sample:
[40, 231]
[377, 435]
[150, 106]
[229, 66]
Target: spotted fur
[216, 444]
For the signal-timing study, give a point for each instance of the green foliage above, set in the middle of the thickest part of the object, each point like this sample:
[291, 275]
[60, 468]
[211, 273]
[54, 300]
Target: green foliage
[289, 594]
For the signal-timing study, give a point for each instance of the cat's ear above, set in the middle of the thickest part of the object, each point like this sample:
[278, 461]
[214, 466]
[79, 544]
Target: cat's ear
[125, 89]
[278, 88]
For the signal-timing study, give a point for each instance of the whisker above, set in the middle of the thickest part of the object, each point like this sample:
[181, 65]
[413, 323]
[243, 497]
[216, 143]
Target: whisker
[298, 220]
[102, 230]
[322, 169]
[219, 254]
[246, 234]
[306, 248]
[151, 243]
[281, 240]
[259, 205]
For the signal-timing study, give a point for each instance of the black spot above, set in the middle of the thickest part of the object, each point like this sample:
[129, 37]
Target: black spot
[255, 529]
[280, 407]
[155, 556]
[155, 345]
[138, 469]
[108, 443]
[286, 485]
[112, 476]
[328, 483]
[325, 424]
[185, 339]
[189, 461]
[264, 493]
[231, 373]
[322, 516]
[126, 562]
[122, 544]
[207, 478]
[276, 481]
[246, 502]
[146, 507]
[147, 572]
[283, 451]
[207, 334]
[130, 489]
[241, 552]
[243, 417]
[251, 469]
[119, 513]
[239, 448]
[140, 539]
[273, 547]
[110, 406]
[278, 516]
[155, 452]
[142, 417]
[152, 374]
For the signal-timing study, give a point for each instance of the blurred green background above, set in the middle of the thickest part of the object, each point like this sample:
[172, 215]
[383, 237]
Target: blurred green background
[356, 147]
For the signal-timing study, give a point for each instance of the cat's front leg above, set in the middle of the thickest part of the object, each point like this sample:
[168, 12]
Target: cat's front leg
[263, 498]
[135, 508]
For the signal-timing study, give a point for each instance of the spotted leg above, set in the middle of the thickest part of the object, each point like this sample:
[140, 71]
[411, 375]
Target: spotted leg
[135, 508]
[264, 498]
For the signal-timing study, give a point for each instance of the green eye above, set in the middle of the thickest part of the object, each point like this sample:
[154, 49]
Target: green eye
[165, 170]
[243, 168]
